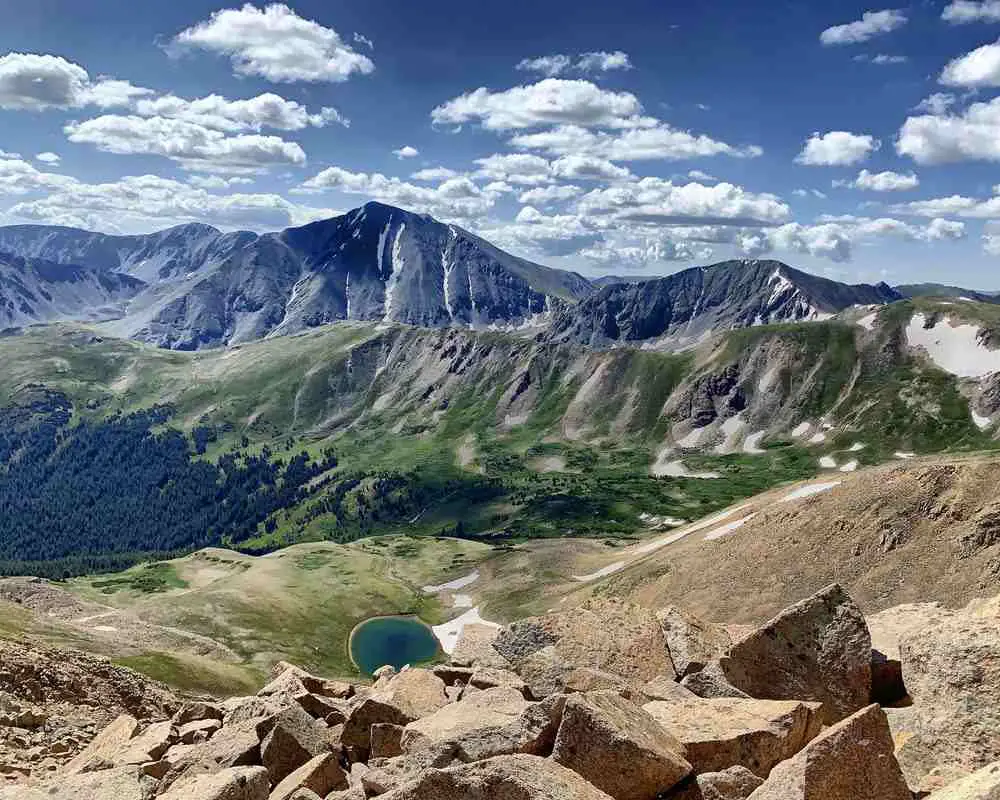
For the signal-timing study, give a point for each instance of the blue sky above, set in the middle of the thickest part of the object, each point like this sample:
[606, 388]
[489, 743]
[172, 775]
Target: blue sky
[858, 141]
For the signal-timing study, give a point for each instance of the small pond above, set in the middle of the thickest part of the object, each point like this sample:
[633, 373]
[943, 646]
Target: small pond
[392, 640]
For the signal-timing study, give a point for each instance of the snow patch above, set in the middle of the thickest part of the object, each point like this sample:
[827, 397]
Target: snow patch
[956, 349]
[458, 583]
[817, 438]
[611, 569]
[850, 466]
[461, 601]
[677, 469]
[801, 429]
[809, 491]
[692, 439]
[731, 429]
[447, 633]
[728, 528]
[676, 536]
[903, 455]
[981, 422]
[653, 521]
[857, 446]
[750, 445]
[828, 462]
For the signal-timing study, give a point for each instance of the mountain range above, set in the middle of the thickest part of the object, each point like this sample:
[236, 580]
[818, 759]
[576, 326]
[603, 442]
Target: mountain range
[193, 286]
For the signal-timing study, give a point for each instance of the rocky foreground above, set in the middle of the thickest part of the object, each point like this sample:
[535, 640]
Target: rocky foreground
[610, 700]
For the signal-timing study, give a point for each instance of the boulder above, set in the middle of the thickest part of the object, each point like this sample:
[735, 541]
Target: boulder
[401, 699]
[195, 710]
[387, 740]
[852, 760]
[234, 783]
[664, 688]
[236, 745]
[983, 784]
[711, 682]
[290, 678]
[722, 732]
[735, 783]
[587, 679]
[289, 739]
[105, 747]
[818, 649]
[149, 745]
[491, 677]
[474, 648]
[117, 783]
[544, 672]
[491, 722]
[320, 707]
[609, 635]
[198, 731]
[691, 643]
[618, 747]
[952, 672]
[517, 777]
[321, 774]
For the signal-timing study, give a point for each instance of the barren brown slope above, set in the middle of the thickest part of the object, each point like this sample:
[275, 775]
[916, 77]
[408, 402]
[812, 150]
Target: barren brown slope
[925, 530]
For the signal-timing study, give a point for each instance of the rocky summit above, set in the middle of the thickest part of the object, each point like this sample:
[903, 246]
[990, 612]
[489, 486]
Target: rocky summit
[585, 704]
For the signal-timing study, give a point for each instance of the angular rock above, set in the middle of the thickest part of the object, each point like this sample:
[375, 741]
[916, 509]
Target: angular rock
[818, 649]
[103, 748]
[663, 688]
[735, 783]
[118, 783]
[289, 740]
[198, 731]
[544, 672]
[983, 784]
[587, 679]
[474, 648]
[402, 698]
[386, 740]
[320, 707]
[490, 723]
[149, 745]
[236, 745]
[618, 747]
[287, 675]
[691, 643]
[719, 733]
[321, 774]
[195, 710]
[517, 777]
[952, 672]
[452, 674]
[491, 677]
[711, 682]
[609, 635]
[234, 783]
[852, 760]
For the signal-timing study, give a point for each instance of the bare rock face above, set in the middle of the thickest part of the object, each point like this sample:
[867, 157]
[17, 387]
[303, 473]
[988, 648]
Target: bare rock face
[607, 635]
[735, 783]
[489, 723]
[292, 738]
[952, 671]
[719, 733]
[663, 688]
[818, 649]
[852, 760]
[984, 784]
[518, 777]
[235, 783]
[618, 747]
[691, 643]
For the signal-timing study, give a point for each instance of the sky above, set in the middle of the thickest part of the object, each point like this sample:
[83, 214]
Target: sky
[635, 138]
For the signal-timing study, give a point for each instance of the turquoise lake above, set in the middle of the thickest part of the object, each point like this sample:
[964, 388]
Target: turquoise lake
[392, 640]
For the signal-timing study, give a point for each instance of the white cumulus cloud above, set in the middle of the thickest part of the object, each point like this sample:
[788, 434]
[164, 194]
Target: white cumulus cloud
[887, 181]
[978, 69]
[973, 135]
[837, 148]
[48, 157]
[871, 24]
[277, 44]
[960, 12]
[35, 82]
[406, 152]
[267, 110]
[546, 195]
[558, 63]
[193, 146]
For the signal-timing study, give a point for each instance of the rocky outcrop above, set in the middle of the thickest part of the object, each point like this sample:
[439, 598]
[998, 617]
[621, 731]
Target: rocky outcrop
[853, 760]
[818, 649]
[691, 643]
